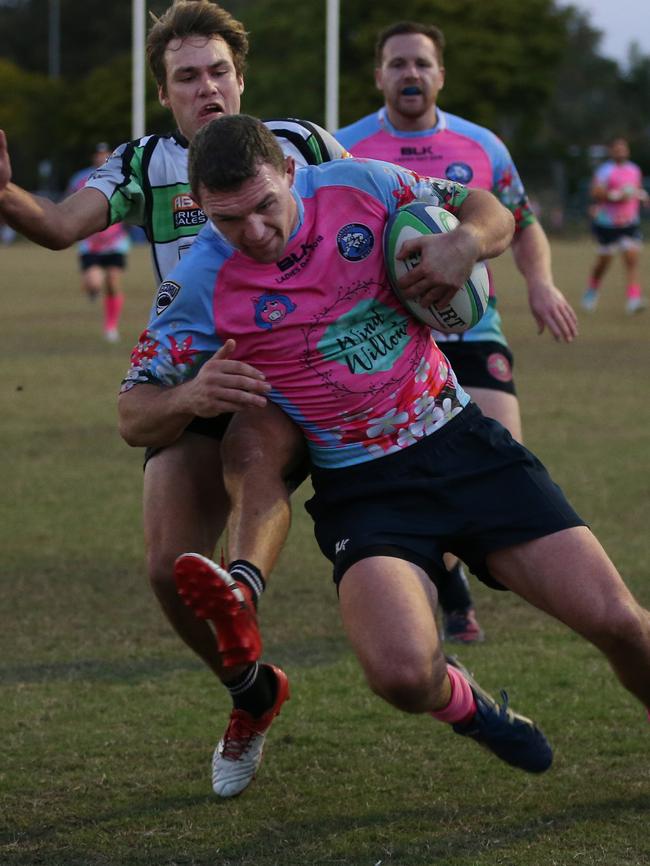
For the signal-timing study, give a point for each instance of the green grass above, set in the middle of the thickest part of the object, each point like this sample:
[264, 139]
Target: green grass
[108, 721]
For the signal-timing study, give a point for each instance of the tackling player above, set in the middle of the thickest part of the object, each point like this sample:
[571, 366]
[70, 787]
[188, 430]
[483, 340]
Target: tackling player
[196, 478]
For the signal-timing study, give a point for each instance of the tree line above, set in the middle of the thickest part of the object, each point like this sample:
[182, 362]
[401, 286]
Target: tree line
[532, 72]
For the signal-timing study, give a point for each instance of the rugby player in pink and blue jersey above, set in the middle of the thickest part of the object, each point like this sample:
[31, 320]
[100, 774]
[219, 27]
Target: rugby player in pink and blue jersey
[284, 296]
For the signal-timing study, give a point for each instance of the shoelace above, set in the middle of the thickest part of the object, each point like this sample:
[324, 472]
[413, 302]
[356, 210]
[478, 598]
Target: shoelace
[237, 739]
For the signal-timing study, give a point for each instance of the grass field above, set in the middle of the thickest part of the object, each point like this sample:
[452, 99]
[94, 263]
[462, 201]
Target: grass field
[108, 722]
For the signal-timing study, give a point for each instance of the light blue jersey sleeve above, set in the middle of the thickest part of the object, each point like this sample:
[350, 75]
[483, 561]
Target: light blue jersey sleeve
[181, 334]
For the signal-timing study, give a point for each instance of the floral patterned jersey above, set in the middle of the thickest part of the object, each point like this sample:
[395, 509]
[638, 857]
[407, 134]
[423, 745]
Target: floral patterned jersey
[455, 149]
[354, 370]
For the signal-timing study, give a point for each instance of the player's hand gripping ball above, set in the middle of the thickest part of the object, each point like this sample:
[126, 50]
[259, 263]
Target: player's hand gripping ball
[468, 304]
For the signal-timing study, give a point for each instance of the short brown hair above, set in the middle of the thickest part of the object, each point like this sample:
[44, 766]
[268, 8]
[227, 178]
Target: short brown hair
[229, 151]
[190, 18]
[432, 32]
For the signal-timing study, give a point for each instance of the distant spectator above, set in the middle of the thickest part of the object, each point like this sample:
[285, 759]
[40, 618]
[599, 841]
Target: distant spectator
[616, 193]
[102, 256]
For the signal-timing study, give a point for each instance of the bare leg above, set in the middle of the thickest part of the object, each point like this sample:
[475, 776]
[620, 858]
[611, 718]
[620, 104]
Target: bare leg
[260, 447]
[92, 281]
[114, 278]
[601, 266]
[388, 612]
[185, 509]
[569, 575]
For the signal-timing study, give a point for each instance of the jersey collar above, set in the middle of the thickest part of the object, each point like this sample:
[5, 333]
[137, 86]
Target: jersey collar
[388, 126]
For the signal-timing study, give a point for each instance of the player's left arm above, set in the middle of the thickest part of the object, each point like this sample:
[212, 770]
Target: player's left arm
[550, 309]
[531, 250]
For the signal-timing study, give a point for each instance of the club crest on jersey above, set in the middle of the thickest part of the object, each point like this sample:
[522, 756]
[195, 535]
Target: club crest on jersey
[459, 172]
[271, 308]
[167, 291]
[187, 212]
[355, 242]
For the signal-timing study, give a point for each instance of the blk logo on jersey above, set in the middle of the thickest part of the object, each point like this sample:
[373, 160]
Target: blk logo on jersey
[459, 172]
[167, 291]
[355, 242]
[187, 212]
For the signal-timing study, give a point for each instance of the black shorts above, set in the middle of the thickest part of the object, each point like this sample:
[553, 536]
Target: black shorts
[607, 235]
[481, 364]
[103, 260]
[469, 489]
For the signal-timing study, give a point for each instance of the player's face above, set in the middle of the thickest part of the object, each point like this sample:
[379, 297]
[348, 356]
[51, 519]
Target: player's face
[201, 82]
[259, 216]
[619, 150]
[410, 77]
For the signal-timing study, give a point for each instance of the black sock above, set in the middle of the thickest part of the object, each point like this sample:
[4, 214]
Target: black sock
[453, 590]
[254, 691]
[245, 572]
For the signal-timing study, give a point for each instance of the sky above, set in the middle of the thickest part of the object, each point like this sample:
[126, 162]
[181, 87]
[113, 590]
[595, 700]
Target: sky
[622, 22]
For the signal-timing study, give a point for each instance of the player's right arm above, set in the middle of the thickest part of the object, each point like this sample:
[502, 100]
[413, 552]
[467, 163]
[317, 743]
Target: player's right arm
[156, 415]
[47, 223]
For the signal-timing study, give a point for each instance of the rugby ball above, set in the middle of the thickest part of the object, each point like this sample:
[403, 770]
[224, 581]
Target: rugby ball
[469, 303]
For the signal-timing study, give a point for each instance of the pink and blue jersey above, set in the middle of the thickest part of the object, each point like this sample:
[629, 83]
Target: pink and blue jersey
[354, 370]
[625, 178]
[459, 151]
[114, 239]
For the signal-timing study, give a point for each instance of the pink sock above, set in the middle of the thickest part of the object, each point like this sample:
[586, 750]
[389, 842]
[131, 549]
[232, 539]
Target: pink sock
[594, 284]
[112, 309]
[462, 705]
[633, 291]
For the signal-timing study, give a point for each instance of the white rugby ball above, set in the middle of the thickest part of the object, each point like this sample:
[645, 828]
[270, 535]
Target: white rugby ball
[468, 305]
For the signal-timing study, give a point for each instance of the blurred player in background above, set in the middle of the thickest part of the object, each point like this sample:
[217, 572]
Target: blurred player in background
[103, 255]
[617, 193]
[412, 131]
[215, 471]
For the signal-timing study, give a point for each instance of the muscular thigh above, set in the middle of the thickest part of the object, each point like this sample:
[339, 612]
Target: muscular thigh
[264, 439]
[566, 574]
[387, 607]
[185, 503]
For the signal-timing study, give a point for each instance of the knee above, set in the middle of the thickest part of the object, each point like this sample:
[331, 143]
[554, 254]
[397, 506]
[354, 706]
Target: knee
[160, 570]
[620, 625]
[265, 443]
[410, 684]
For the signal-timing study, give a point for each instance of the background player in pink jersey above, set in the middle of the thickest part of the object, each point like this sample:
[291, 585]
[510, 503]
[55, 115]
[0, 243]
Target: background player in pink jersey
[102, 256]
[617, 192]
[411, 130]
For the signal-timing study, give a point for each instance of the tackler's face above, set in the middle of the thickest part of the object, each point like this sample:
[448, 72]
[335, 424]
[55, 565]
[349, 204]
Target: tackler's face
[201, 82]
[258, 217]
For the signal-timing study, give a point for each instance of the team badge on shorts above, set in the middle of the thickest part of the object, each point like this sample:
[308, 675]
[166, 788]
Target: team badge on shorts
[499, 367]
[167, 291]
[459, 172]
[355, 242]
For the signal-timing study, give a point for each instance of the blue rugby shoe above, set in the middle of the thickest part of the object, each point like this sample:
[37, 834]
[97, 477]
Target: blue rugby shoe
[513, 738]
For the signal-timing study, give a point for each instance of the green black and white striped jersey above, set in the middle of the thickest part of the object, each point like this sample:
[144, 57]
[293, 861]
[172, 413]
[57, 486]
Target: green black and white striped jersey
[146, 184]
